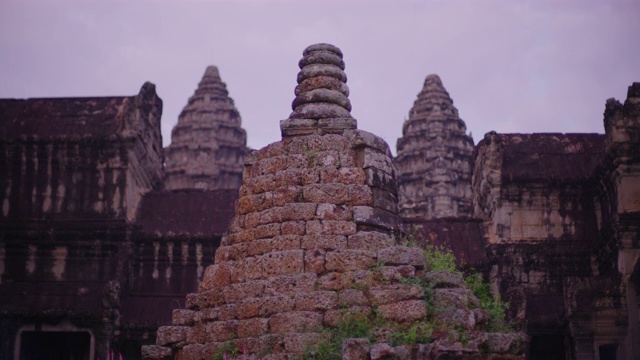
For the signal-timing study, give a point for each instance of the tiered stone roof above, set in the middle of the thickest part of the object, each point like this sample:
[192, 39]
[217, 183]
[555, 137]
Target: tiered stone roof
[434, 157]
[207, 145]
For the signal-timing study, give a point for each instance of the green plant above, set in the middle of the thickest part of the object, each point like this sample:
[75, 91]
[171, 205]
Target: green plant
[490, 302]
[352, 325]
[440, 258]
[228, 349]
[414, 334]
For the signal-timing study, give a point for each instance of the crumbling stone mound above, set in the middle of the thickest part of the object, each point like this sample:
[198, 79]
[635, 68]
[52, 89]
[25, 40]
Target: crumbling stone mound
[312, 242]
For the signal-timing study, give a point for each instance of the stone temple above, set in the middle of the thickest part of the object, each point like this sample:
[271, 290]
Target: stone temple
[111, 245]
[207, 145]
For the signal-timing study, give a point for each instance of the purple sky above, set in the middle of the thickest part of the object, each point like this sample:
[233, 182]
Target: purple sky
[510, 66]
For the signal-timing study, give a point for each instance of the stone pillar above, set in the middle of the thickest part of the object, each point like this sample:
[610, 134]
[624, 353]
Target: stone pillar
[434, 157]
[207, 145]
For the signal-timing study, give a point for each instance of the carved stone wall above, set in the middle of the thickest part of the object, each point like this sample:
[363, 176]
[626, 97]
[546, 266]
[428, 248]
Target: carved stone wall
[434, 157]
[207, 145]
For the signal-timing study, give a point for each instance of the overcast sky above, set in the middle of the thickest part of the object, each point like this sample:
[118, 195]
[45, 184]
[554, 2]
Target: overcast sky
[510, 66]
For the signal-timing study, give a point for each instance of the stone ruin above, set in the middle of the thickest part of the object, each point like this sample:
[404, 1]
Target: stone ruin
[313, 238]
[207, 145]
[95, 254]
[435, 157]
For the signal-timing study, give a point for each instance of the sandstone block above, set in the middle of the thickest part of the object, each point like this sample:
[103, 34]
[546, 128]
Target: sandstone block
[385, 200]
[253, 203]
[265, 306]
[193, 352]
[351, 175]
[283, 262]
[396, 273]
[314, 261]
[395, 293]
[249, 268]
[219, 331]
[325, 142]
[298, 343]
[172, 335]
[330, 281]
[197, 334]
[298, 126]
[506, 343]
[297, 177]
[355, 349]
[271, 150]
[444, 279]
[191, 301]
[378, 160]
[380, 179]
[290, 284]
[328, 174]
[230, 252]
[260, 184]
[366, 215]
[237, 292]
[323, 242]
[252, 328]
[331, 227]
[252, 220]
[345, 260]
[272, 215]
[267, 231]
[382, 351]
[361, 138]
[227, 312]
[454, 318]
[183, 317]
[155, 352]
[293, 228]
[210, 298]
[458, 298]
[286, 194]
[404, 311]
[402, 255]
[336, 125]
[205, 315]
[324, 82]
[326, 211]
[358, 279]
[269, 166]
[370, 240]
[350, 297]
[295, 322]
[315, 300]
[298, 211]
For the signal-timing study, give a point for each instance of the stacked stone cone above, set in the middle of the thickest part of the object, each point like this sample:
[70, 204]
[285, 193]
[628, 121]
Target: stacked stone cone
[311, 240]
[322, 97]
[207, 145]
[434, 157]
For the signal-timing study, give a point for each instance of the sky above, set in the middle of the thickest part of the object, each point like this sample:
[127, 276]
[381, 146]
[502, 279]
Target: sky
[509, 66]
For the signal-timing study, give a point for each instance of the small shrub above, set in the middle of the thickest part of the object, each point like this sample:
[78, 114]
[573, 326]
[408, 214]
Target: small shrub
[490, 302]
[440, 258]
[419, 333]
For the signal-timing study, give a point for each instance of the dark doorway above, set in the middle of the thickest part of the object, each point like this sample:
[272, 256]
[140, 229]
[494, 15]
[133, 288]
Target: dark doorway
[55, 345]
[608, 352]
[547, 347]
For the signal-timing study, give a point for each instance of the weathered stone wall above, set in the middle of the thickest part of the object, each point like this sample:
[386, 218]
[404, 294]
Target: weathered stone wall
[434, 157]
[100, 168]
[207, 145]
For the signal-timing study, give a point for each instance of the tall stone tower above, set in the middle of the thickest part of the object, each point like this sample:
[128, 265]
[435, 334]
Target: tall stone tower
[207, 145]
[434, 157]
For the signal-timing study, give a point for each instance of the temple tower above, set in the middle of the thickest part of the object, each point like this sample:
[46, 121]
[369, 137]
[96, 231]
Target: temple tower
[434, 157]
[207, 145]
